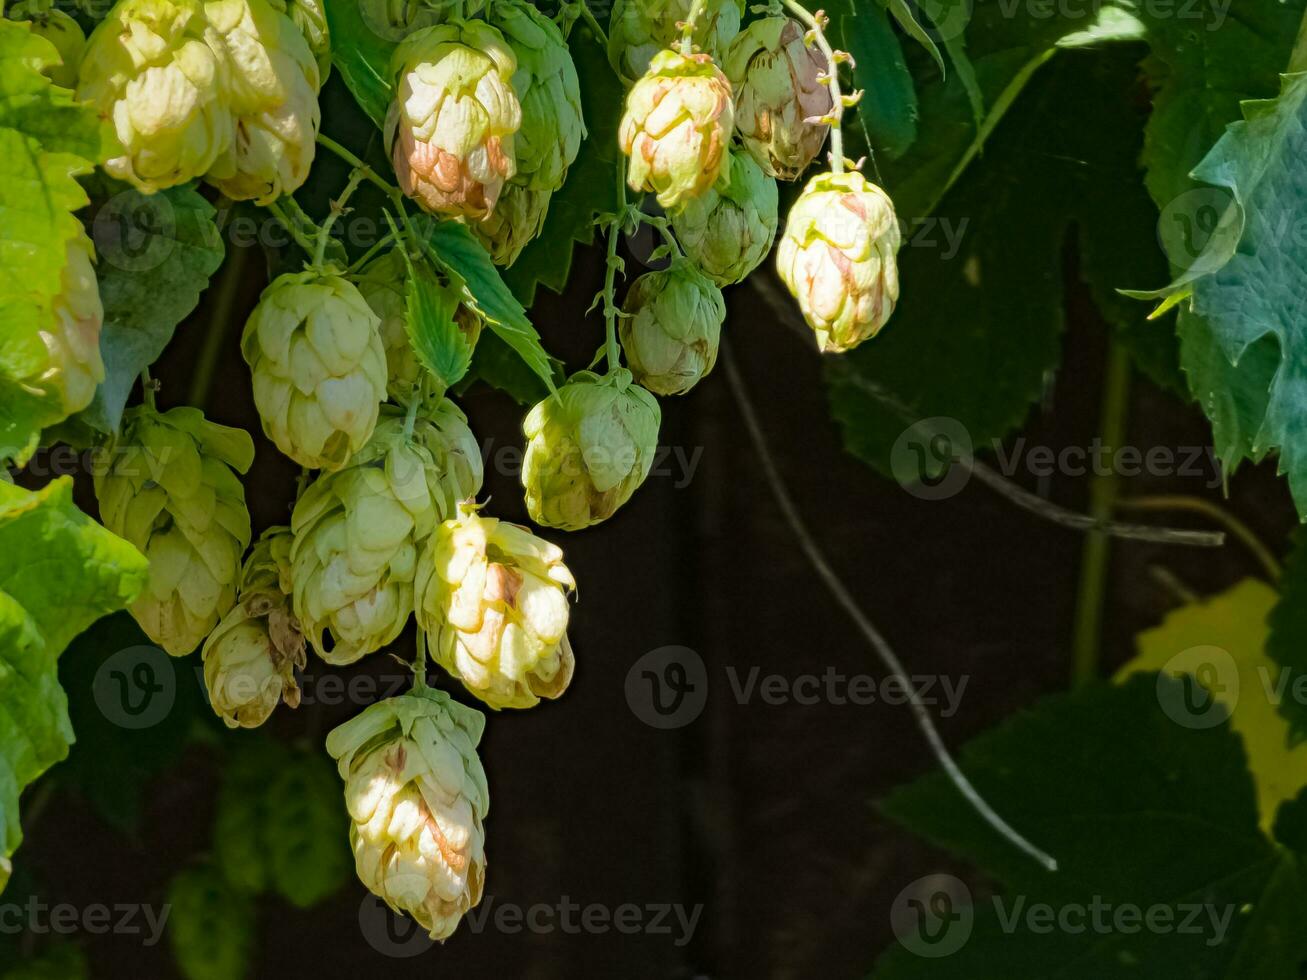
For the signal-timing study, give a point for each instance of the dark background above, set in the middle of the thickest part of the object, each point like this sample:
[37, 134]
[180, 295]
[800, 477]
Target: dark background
[763, 814]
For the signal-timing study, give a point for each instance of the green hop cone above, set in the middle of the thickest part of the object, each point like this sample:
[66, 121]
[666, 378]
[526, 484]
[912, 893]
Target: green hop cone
[550, 136]
[383, 282]
[357, 531]
[728, 231]
[779, 95]
[639, 29]
[677, 128]
[837, 257]
[273, 95]
[158, 70]
[72, 340]
[450, 129]
[59, 29]
[417, 800]
[318, 365]
[493, 597]
[672, 327]
[168, 487]
[589, 447]
[250, 659]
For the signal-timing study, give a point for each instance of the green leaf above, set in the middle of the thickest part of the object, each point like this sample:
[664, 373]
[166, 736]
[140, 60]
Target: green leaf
[498, 365]
[33, 105]
[888, 109]
[978, 325]
[211, 926]
[361, 53]
[907, 20]
[1287, 645]
[591, 187]
[156, 254]
[1141, 812]
[307, 833]
[73, 572]
[441, 347]
[460, 254]
[240, 826]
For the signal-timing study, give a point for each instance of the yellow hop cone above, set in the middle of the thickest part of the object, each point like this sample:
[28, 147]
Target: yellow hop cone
[837, 256]
[357, 531]
[639, 29]
[158, 70]
[168, 487]
[250, 659]
[589, 447]
[417, 800]
[677, 128]
[493, 598]
[274, 82]
[778, 94]
[72, 340]
[672, 327]
[450, 129]
[318, 365]
[729, 230]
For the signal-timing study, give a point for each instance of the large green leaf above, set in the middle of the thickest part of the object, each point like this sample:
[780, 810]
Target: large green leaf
[35, 106]
[65, 572]
[977, 329]
[1141, 813]
[361, 52]
[888, 109]
[441, 347]
[156, 255]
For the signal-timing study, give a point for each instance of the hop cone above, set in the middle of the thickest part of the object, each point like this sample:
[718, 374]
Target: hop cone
[450, 129]
[493, 597]
[778, 92]
[357, 531]
[250, 659]
[672, 328]
[72, 341]
[639, 29]
[837, 257]
[677, 128]
[550, 136]
[311, 19]
[589, 446]
[273, 95]
[167, 486]
[159, 72]
[728, 231]
[417, 800]
[318, 365]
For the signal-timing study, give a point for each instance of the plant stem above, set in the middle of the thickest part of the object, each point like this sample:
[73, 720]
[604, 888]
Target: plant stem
[357, 163]
[588, 16]
[420, 662]
[1220, 515]
[832, 81]
[337, 209]
[224, 302]
[687, 31]
[292, 226]
[1103, 490]
[610, 304]
[850, 605]
[147, 387]
[366, 257]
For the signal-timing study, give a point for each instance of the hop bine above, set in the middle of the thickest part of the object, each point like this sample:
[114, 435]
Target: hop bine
[417, 800]
[589, 447]
[672, 327]
[780, 99]
[837, 257]
[450, 129]
[493, 597]
[250, 659]
[357, 531]
[729, 230]
[318, 365]
[171, 491]
[677, 127]
[639, 29]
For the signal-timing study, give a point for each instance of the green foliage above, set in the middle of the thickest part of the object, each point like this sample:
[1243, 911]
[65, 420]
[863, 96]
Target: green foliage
[242, 817]
[441, 347]
[211, 926]
[1140, 811]
[1287, 645]
[61, 961]
[156, 253]
[75, 572]
[888, 110]
[34, 106]
[498, 365]
[362, 56]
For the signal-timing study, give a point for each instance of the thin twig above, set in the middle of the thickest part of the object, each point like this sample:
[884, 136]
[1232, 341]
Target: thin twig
[1218, 514]
[868, 629]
